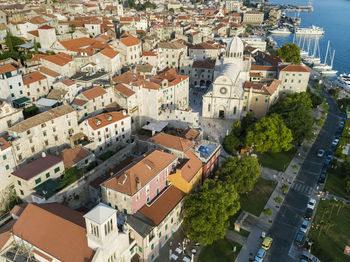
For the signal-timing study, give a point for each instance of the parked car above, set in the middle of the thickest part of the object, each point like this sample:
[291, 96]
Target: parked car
[335, 142]
[308, 214]
[304, 225]
[324, 170]
[321, 179]
[266, 244]
[341, 124]
[307, 257]
[328, 159]
[311, 204]
[320, 153]
[300, 239]
[260, 255]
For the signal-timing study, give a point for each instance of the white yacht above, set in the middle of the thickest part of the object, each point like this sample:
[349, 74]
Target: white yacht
[343, 81]
[280, 31]
[312, 30]
[330, 72]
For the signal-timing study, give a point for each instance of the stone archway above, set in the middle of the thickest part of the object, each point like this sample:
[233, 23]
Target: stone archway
[221, 112]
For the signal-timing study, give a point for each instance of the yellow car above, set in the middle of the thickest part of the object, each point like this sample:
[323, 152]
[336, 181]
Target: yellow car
[266, 244]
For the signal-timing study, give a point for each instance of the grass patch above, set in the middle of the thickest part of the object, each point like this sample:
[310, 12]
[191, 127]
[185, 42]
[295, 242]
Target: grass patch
[220, 251]
[255, 201]
[330, 245]
[335, 184]
[277, 161]
[69, 176]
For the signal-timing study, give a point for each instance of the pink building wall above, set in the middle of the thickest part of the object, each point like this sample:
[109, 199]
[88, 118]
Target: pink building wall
[153, 185]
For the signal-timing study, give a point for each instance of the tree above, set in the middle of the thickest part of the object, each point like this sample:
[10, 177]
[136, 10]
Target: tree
[171, 10]
[231, 143]
[182, 9]
[240, 172]
[295, 111]
[284, 188]
[8, 41]
[270, 134]
[35, 46]
[208, 211]
[290, 53]
[267, 211]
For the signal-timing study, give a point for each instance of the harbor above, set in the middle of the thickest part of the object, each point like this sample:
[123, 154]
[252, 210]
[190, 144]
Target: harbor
[323, 45]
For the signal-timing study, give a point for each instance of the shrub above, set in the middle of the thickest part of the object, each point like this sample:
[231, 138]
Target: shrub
[278, 200]
[268, 211]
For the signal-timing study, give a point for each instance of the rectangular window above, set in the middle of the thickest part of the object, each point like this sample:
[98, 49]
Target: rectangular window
[140, 249]
[57, 169]
[172, 220]
[10, 86]
[166, 227]
[256, 99]
[160, 234]
[7, 167]
[152, 246]
[47, 175]
[4, 157]
[21, 192]
[37, 181]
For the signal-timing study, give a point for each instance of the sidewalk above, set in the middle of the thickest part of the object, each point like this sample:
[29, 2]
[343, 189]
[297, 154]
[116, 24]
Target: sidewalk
[264, 223]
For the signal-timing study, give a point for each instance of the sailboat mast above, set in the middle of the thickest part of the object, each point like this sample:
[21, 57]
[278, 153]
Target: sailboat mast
[332, 58]
[325, 59]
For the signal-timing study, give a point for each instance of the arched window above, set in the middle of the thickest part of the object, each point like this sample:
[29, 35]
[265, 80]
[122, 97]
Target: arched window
[235, 110]
[234, 54]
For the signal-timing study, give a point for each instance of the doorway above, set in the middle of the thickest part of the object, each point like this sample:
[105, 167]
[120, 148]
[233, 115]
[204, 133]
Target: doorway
[221, 114]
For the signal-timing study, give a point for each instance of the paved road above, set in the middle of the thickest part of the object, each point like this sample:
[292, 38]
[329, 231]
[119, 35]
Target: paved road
[288, 219]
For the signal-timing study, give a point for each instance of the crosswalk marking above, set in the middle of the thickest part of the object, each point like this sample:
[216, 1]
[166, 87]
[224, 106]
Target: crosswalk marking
[302, 188]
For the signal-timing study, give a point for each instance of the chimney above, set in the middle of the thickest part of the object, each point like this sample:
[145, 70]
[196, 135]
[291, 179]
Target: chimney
[124, 112]
[138, 183]
[153, 132]
[43, 154]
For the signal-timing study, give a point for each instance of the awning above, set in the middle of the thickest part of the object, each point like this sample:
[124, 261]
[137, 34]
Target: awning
[21, 101]
[157, 127]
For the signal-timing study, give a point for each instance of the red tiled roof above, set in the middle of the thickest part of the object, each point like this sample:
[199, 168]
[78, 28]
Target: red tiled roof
[105, 119]
[109, 52]
[94, 92]
[79, 102]
[262, 68]
[68, 82]
[130, 40]
[32, 77]
[60, 59]
[170, 141]
[163, 205]
[53, 228]
[124, 90]
[46, 27]
[4, 144]
[37, 166]
[6, 68]
[144, 170]
[295, 68]
[71, 156]
[203, 64]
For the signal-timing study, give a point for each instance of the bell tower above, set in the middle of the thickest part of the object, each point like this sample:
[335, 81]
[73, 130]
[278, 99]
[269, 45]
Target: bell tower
[101, 226]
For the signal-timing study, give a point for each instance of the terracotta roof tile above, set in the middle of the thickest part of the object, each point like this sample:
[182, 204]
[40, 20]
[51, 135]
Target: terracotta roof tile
[124, 90]
[94, 92]
[295, 68]
[130, 40]
[163, 205]
[7, 68]
[72, 156]
[79, 102]
[144, 170]
[53, 229]
[105, 119]
[109, 52]
[4, 144]
[68, 82]
[32, 77]
[127, 78]
[173, 142]
[60, 59]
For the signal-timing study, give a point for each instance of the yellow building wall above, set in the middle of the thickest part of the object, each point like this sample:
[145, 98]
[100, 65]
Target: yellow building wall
[177, 180]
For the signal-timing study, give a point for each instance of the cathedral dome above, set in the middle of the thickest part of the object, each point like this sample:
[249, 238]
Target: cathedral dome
[235, 48]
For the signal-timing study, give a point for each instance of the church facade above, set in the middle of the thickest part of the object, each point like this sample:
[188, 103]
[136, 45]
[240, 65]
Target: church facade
[226, 99]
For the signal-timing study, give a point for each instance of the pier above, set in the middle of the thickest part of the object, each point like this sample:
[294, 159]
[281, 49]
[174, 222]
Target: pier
[293, 8]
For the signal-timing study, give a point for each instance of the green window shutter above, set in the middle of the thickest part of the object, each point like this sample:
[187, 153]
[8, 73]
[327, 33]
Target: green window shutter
[21, 192]
[160, 234]
[57, 169]
[47, 175]
[7, 167]
[4, 157]
[166, 227]
[172, 220]
[140, 249]
[37, 181]
[19, 182]
[152, 246]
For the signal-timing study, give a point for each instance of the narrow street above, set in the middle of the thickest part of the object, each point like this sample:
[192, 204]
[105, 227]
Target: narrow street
[289, 217]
